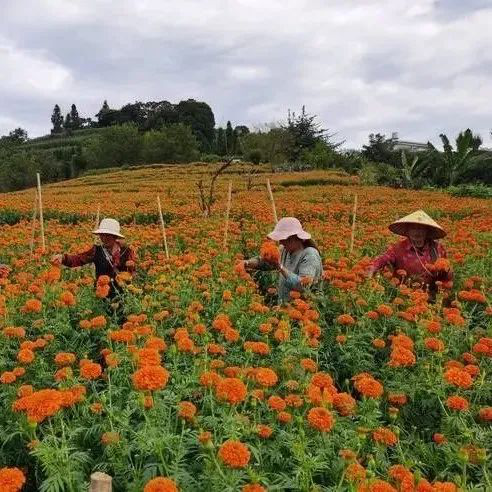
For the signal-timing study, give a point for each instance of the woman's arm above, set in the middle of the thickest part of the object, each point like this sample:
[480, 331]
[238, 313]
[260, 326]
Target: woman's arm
[79, 259]
[387, 258]
[307, 270]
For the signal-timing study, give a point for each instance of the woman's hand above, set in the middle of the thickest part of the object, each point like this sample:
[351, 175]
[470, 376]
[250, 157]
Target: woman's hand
[56, 260]
[251, 264]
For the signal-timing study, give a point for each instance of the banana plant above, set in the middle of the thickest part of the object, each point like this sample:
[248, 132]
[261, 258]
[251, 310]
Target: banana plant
[409, 172]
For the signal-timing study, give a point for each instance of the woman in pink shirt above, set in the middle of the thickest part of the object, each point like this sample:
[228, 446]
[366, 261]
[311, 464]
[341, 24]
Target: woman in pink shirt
[416, 257]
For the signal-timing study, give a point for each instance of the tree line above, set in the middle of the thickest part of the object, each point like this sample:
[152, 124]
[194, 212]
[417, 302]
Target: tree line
[162, 132]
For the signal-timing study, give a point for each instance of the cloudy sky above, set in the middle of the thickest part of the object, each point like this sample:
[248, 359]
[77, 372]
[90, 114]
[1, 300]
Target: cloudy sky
[418, 67]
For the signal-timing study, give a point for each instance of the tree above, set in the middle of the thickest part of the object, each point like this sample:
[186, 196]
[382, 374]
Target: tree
[17, 136]
[229, 139]
[67, 124]
[75, 119]
[104, 115]
[221, 146]
[452, 164]
[380, 149]
[410, 173]
[57, 119]
[304, 133]
[173, 143]
[199, 116]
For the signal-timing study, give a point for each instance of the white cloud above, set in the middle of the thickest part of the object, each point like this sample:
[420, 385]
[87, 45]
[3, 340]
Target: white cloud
[362, 66]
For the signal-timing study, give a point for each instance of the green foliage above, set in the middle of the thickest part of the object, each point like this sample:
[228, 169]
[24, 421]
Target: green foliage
[477, 190]
[254, 156]
[57, 119]
[379, 174]
[174, 143]
[380, 149]
[115, 146]
[210, 158]
[273, 143]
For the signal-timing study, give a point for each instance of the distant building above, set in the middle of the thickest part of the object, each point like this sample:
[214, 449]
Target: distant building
[407, 145]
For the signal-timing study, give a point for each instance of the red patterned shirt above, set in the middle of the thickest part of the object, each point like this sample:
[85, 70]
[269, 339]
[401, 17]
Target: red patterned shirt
[403, 256]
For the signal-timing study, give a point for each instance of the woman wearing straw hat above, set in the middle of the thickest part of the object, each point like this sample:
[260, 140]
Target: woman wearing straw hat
[300, 262]
[415, 255]
[109, 258]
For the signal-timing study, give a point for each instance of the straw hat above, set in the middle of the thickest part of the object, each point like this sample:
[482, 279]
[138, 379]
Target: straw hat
[109, 226]
[286, 227]
[418, 218]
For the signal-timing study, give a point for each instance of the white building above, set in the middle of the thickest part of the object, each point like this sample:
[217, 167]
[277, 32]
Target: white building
[407, 145]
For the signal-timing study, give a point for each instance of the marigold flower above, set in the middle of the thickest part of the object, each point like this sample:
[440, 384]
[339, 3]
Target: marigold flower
[187, 410]
[209, 378]
[8, 377]
[150, 378]
[96, 407]
[148, 357]
[376, 485]
[25, 356]
[234, 454]
[369, 387]
[253, 487]
[439, 438]
[33, 306]
[457, 403]
[379, 343]
[232, 390]
[401, 357]
[345, 319]
[64, 359]
[205, 437]
[110, 438]
[90, 370]
[276, 403]
[14, 332]
[309, 365]
[385, 436]
[67, 298]
[266, 377]
[434, 344]
[270, 253]
[374, 315]
[385, 310]
[355, 472]
[458, 378]
[485, 414]
[321, 419]
[264, 431]
[344, 404]
[11, 479]
[398, 399]
[284, 417]
[322, 380]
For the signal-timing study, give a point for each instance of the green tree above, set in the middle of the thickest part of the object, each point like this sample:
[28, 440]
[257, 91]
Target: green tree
[451, 164]
[380, 149]
[229, 139]
[56, 119]
[76, 122]
[174, 143]
[67, 123]
[199, 116]
[104, 116]
[221, 146]
[411, 173]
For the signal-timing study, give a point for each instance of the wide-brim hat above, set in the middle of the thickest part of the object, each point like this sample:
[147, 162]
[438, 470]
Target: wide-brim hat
[418, 218]
[109, 226]
[286, 227]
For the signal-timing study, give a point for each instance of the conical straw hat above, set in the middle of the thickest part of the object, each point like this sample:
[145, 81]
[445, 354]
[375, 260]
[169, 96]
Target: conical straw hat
[420, 218]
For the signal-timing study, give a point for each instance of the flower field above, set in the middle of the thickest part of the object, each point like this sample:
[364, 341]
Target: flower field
[206, 384]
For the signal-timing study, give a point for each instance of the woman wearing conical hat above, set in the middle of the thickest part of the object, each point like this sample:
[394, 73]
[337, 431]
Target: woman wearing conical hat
[299, 264]
[109, 258]
[415, 256]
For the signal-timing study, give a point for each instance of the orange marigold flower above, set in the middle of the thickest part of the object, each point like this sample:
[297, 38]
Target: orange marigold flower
[264, 431]
[485, 414]
[161, 484]
[385, 310]
[294, 401]
[25, 390]
[11, 479]
[457, 403]
[369, 387]
[276, 403]
[90, 370]
[64, 359]
[96, 408]
[385, 436]
[205, 437]
[309, 365]
[98, 322]
[253, 487]
[150, 378]
[321, 419]
[209, 378]
[187, 410]
[344, 404]
[401, 357]
[148, 357]
[345, 319]
[439, 438]
[67, 298]
[110, 438]
[378, 343]
[322, 380]
[398, 399]
[156, 343]
[374, 315]
[355, 472]
[270, 253]
[232, 390]
[40, 404]
[25, 356]
[433, 326]
[234, 454]
[341, 339]
[14, 332]
[434, 344]
[33, 306]
[458, 377]
[63, 374]
[402, 341]
[266, 377]
[376, 485]
[8, 377]
[284, 417]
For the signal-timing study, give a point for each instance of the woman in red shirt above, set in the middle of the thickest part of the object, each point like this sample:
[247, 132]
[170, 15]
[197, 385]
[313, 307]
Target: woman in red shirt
[416, 257]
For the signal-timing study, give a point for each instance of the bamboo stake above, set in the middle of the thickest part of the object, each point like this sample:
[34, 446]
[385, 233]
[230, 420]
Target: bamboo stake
[354, 215]
[272, 201]
[41, 221]
[228, 210]
[163, 228]
[33, 222]
[100, 482]
[97, 215]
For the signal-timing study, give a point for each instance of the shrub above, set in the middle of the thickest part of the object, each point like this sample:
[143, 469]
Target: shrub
[255, 156]
[379, 174]
[477, 190]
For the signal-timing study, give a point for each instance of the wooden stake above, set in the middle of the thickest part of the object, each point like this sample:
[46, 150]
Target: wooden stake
[100, 482]
[229, 196]
[41, 221]
[272, 201]
[163, 228]
[33, 222]
[97, 215]
[354, 215]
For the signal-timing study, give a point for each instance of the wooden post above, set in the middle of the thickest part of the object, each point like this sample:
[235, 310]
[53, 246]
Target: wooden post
[228, 210]
[163, 228]
[41, 221]
[272, 201]
[100, 482]
[97, 215]
[33, 223]
[354, 215]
